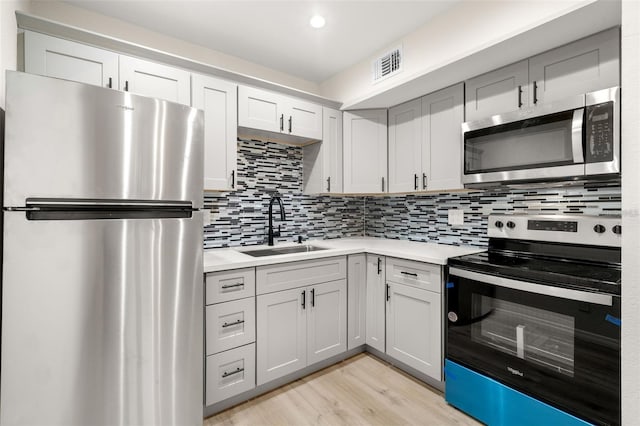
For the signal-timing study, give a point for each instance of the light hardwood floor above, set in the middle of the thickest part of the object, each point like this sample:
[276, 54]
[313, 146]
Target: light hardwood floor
[362, 390]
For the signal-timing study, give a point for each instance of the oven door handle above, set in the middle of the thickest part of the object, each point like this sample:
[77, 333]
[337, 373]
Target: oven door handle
[546, 290]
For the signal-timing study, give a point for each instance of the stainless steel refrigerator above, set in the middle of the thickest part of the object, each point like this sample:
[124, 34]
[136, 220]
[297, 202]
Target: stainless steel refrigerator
[102, 257]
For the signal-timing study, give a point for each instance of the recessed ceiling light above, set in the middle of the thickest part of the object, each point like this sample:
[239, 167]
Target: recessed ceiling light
[317, 21]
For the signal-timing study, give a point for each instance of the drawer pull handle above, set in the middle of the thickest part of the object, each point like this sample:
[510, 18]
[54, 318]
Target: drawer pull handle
[388, 295]
[413, 274]
[236, 371]
[226, 324]
[232, 285]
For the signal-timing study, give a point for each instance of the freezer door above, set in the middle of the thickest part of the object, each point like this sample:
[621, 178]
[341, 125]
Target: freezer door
[102, 322]
[69, 140]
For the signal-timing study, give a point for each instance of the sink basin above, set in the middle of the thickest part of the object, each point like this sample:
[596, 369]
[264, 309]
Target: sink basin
[282, 250]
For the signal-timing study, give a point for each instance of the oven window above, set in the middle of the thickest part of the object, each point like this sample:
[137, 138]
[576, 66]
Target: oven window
[538, 336]
[540, 142]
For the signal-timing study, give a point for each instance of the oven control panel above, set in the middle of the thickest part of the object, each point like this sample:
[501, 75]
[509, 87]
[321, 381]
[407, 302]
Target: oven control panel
[590, 230]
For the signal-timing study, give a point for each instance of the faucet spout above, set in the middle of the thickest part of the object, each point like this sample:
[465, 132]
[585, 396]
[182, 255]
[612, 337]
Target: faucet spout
[271, 232]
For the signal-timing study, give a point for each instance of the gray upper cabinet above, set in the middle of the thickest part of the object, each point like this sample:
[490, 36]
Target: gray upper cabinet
[586, 65]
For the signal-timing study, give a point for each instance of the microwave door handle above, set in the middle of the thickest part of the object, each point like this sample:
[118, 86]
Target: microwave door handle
[576, 136]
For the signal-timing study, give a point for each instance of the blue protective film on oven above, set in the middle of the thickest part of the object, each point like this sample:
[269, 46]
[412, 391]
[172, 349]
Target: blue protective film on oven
[450, 285]
[613, 320]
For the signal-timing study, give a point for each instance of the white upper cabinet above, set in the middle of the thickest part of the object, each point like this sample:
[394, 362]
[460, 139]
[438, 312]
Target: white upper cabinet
[60, 58]
[405, 147]
[54, 57]
[496, 92]
[322, 162]
[218, 99]
[154, 80]
[442, 117]
[365, 151]
[262, 110]
[425, 142]
[586, 65]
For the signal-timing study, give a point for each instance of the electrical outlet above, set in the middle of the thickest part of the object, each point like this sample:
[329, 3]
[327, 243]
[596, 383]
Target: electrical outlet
[456, 217]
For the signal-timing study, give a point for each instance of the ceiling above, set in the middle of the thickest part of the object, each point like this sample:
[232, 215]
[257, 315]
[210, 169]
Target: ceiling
[277, 34]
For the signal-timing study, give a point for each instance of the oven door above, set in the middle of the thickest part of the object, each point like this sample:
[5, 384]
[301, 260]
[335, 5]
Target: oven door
[561, 346]
[539, 143]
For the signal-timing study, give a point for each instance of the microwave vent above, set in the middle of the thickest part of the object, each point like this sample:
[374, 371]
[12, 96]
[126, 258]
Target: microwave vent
[387, 65]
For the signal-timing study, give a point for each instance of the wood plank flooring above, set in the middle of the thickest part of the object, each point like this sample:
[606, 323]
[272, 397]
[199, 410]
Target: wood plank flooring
[362, 390]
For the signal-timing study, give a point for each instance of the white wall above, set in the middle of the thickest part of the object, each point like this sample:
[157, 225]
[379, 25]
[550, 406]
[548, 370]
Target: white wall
[9, 39]
[87, 20]
[463, 30]
[630, 212]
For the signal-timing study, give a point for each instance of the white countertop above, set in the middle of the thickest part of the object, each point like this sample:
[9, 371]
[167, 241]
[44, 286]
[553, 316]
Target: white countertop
[234, 258]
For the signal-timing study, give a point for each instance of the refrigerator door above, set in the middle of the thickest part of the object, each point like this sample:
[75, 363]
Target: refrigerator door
[66, 140]
[102, 322]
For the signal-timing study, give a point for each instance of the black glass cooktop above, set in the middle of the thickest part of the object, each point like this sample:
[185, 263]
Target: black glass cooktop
[582, 274]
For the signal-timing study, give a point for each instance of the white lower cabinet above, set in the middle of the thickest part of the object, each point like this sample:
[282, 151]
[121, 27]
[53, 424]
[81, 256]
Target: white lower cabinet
[375, 290]
[281, 334]
[300, 327]
[414, 328]
[230, 324]
[230, 373]
[356, 300]
[413, 315]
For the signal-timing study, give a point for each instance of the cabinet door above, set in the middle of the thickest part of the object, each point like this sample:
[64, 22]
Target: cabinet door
[322, 162]
[218, 99]
[230, 373]
[365, 151]
[405, 145]
[154, 80]
[376, 294]
[303, 119]
[586, 65]
[260, 109]
[442, 118]
[356, 300]
[497, 92]
[414, 328]
[326, 320]
[281, 333]
[54, 57]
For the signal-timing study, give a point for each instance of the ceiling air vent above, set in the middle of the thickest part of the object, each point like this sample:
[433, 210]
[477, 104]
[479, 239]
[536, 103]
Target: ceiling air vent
[387, 65]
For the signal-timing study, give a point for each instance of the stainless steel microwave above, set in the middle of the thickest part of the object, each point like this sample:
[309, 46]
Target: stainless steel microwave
[566, 140]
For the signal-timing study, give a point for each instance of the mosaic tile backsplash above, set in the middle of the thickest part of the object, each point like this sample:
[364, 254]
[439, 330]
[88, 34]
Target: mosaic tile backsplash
[240, 217]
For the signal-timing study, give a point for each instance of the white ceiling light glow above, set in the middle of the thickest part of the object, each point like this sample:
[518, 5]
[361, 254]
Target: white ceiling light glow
[317, 21]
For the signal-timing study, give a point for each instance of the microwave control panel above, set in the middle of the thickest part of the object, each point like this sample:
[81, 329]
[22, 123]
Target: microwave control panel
[599, 132]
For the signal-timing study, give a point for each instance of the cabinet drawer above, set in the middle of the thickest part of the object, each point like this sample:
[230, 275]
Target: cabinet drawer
[416, 274]
[230, 324]
[285, 276]
[230, 373]
[230, 285]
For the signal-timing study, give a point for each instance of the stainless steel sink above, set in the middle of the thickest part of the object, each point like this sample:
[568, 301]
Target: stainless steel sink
[282, 250]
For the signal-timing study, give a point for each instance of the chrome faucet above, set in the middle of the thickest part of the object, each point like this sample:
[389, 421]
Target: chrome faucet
[273, 233]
